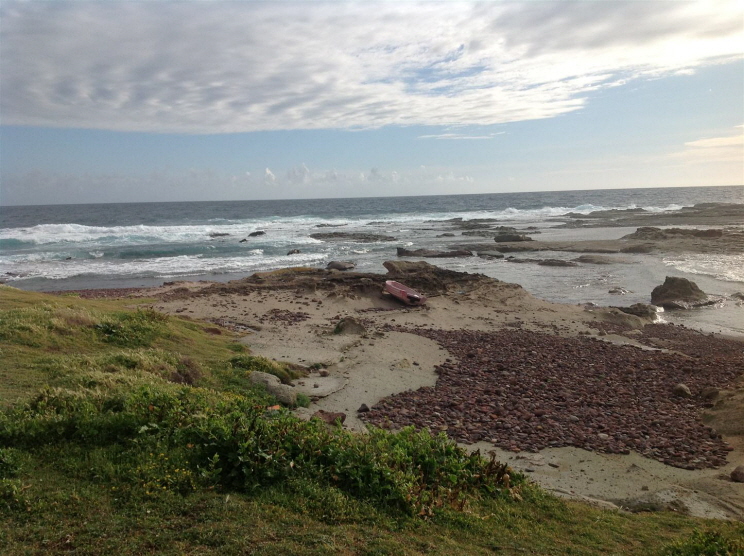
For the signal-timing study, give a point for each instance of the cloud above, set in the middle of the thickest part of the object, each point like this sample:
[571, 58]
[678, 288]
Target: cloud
[223, 67]
[727, 148]
[458, 136]
[269, 176]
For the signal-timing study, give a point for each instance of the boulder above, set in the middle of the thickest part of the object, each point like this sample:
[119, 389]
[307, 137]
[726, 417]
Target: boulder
[350, 325]
[257, 233]
[490, 255]
[640, 310]
[293, 252]
[737, 475]
[340, 265]
[678, 293]
[428, 253]
[682, 391]
[329, 417]
[408, 267]
[364, 408]
[284, 393]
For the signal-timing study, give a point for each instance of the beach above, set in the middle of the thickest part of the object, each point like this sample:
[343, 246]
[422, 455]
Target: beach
[578, 397]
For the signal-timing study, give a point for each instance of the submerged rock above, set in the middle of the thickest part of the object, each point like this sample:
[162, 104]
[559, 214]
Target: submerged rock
[428, 253]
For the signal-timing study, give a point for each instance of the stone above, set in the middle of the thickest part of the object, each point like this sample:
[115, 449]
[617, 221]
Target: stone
[364, 408]
[640, 310]
[330, 417]
[350, 325]
[737, 475]
[284, 393]
[340, 265]
[352, 236]
[678, 293]
[293, 252]
[709, 394]
[431, 253]
[508, 237]
[556, 262]
[257, 233]
[682, 391]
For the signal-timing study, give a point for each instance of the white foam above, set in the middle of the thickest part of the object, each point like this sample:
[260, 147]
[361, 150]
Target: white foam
[729, 268]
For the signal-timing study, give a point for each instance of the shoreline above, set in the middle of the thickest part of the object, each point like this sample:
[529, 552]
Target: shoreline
[290, 315]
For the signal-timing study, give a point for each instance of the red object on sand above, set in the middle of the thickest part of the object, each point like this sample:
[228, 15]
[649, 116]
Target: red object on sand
[404, 293]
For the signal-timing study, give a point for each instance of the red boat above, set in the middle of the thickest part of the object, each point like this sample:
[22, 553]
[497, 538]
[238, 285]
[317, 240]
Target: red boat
[404, 293]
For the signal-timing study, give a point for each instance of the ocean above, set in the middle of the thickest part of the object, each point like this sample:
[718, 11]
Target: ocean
[61, 247]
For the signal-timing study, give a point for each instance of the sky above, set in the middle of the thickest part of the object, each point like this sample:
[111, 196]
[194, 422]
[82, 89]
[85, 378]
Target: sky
[134, 101]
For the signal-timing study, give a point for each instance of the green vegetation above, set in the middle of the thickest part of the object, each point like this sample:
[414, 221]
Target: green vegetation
[127, 431]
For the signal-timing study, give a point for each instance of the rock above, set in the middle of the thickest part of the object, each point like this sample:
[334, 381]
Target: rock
[737, 475]
[257, 233]
[243, 240]
[597, 259]
[507, 237]
[293, 252]
[351, 236]
[640, 310]
[490, 255]
[363, 408]
[618, 291]
[428, 253]
[350, 325]
[329, 417]
[218, 234]
[340, 265]
[738, 295]
[682, 391]
[678, 293]
[643, 248]
[556, 262]
[284, 393]
[446, 234]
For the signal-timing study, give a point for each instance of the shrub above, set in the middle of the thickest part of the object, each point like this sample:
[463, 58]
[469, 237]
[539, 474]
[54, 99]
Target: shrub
[285, 373]
[132, 329]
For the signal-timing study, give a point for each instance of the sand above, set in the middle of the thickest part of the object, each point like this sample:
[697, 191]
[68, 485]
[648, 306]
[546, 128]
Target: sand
[290, 316]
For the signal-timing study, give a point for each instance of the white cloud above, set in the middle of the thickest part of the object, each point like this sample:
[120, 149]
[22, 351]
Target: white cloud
[721, 149]
[269, 176]
[223, 67]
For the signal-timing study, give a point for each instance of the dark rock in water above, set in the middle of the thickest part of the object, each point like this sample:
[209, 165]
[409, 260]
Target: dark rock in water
[243, 240]
[678, 293]
[598, 259]
[640, 310]
[350, 325]
[257, 233]
[556, 262]
[490, 255]
[446, 234]
[619, 291]
[351, 236]
[738, 295]
[293, 252]
[644, 248]
[218, 234]
[428, 253]
[506, 238]
[340, 265]
[329, 417]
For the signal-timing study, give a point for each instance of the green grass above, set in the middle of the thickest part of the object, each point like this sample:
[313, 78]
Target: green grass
[126, 431]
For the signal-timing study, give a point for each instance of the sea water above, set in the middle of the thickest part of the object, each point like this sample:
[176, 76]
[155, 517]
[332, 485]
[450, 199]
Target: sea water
[58, 247]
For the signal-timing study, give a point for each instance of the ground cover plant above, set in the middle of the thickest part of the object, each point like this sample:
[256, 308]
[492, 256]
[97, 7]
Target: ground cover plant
[123, 430]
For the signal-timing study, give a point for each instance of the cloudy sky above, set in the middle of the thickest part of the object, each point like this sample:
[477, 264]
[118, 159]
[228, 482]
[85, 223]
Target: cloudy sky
[210, 100]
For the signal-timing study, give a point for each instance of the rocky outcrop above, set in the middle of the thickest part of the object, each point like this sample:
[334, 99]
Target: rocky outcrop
[284, 393]
[352, 236]
[430, 253]
[257, 233]
[511, 237]
[293, 252]
[678, 293]
[542, 262]
[652, 233]
[432, 280]
[340, 265]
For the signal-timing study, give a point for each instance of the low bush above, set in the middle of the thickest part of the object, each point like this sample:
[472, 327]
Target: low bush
[230, 442]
